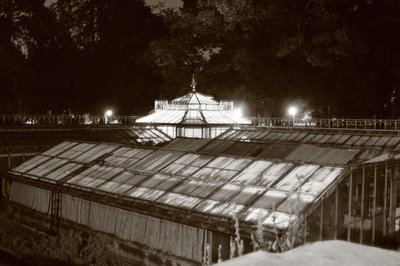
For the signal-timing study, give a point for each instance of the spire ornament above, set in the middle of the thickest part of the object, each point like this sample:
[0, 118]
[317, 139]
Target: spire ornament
[194, 83]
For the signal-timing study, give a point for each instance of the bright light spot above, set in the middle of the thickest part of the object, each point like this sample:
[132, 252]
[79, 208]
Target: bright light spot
[108, 113]
[292, 110]
[238, 113]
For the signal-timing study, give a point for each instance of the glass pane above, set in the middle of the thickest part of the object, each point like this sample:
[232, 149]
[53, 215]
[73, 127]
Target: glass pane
[48, 166]
[296, 177]
[255, 214]
[63, 171]
[252, 172]
[154, 181]
[32, 163]
[225, 193]
[270, 200]
[295, 203]
[145, 193]
[272, 174]
[280, 220]
[178, 200]
[247, 195]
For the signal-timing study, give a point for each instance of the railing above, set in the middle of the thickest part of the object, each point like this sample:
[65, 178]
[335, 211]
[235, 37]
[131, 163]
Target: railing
[366, 124]
[78, 120]
[54, 120]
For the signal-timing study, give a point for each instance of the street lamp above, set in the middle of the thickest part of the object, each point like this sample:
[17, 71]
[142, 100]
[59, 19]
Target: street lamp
[293, 111]
[107, 116]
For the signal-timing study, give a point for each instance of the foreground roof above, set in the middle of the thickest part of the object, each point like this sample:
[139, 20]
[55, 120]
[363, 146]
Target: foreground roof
[212, 185]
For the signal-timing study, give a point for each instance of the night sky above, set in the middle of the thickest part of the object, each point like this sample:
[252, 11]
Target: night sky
[330, 58]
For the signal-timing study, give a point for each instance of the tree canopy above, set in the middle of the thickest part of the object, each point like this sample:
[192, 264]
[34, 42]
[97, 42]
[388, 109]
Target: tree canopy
[337, 57]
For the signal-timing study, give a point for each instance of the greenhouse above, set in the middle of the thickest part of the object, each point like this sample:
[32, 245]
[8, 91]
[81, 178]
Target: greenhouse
[191, 190]
[194, 115]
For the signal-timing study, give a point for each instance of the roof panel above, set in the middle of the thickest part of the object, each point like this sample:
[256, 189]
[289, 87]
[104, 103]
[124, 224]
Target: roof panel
[392, 142]
[247, 195]
[216, 146]
[156, 160]
[241, 148]
[296, 177]
[272, 174]
[179, 200]
[252, 172]
[145, 193]
[277, 151]
[196, 188]
[225, 193]
[323, 155]
[270, 200]
[30, 164]
[296, 203]
[279, 220]
[186, 144]
[255, 215]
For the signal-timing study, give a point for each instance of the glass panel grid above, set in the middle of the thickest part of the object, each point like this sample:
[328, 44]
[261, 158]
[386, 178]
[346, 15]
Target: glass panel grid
[273, 173]
[296, 177]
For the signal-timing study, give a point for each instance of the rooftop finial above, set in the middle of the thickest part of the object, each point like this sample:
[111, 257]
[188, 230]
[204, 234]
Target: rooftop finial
[193, 85]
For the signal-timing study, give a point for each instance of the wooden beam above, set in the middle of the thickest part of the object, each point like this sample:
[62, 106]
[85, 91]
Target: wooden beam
[336, 211]
[349, 205]
[385, 200]
[374, 205]
[362, 204]
[321, 223]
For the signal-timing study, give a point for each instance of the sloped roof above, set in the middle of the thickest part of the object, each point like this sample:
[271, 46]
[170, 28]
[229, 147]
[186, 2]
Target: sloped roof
[207, 184]
[293, 152]
[331, 139]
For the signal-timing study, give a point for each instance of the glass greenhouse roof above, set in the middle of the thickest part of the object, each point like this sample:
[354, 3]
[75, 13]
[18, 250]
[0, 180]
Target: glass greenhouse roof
[52, 136]
[210, 184]
[193, 108]
[347, 140]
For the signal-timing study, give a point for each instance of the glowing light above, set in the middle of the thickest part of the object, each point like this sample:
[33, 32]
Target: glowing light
[292, 110]
[238, 113]
[108, 113]
[107, 116]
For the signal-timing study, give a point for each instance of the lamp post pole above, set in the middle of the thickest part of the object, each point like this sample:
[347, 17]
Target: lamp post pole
[292, 111]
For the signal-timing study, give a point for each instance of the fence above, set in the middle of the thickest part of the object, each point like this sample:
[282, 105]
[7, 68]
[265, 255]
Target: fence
[54, 120]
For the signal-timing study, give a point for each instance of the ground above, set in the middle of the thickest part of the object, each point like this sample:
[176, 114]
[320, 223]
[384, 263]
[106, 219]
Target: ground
[326, 253]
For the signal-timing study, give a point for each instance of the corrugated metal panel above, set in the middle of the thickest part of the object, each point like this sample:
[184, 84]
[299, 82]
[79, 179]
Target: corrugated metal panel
[323, 155]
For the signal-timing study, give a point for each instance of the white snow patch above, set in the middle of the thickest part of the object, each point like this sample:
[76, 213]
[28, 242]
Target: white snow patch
[326, 253]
